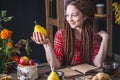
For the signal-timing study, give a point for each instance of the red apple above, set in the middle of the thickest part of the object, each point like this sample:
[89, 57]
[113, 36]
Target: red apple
[24, 60]
[31, 62]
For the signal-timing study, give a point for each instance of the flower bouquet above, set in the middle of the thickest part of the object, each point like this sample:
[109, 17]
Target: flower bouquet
[7, 46]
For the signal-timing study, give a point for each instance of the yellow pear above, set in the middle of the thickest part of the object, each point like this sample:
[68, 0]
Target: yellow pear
[40, 29]
[53, 76]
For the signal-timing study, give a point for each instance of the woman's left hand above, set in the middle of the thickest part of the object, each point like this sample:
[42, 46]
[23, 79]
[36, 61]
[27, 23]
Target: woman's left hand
[103, 34]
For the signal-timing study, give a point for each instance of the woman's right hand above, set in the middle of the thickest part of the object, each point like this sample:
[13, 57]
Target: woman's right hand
[39, 38]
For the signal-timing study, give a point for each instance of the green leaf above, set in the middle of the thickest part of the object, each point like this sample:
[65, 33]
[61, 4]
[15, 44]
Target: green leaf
[7, 51]
[6, 19]
[22, 41]
[3, 13]
[27, 47]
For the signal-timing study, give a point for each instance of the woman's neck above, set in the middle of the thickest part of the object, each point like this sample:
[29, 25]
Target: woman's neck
[78, 34]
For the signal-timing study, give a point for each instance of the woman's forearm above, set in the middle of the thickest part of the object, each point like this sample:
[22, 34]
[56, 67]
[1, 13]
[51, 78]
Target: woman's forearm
[100, 57]
[50, 56]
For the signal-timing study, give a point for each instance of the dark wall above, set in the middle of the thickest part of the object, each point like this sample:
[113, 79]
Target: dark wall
[25, 12]
[116, 38]
[116, 34]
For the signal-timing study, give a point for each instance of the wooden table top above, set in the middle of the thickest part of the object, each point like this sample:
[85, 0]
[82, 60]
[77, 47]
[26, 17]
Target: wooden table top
[44, 70]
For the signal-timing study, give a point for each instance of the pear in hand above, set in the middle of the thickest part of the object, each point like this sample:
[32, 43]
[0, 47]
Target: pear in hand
[53, 76]
[42, 30]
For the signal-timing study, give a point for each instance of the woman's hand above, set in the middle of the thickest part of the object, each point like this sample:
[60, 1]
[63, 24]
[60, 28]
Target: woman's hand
[103, 34]
[39, 38]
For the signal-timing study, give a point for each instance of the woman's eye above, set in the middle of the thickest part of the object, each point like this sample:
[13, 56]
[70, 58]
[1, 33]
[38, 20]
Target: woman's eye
[75, 15]
[66, 15]
[71, 15]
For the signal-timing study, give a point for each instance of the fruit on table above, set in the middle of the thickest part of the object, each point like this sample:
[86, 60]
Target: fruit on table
[101, 76]
[24, 60]
[31, 62]
[39, 28]
[6, 77]
[53, 76]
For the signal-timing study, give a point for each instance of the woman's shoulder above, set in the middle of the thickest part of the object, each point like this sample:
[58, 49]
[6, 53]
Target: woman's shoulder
[59, 35]
[59, 32]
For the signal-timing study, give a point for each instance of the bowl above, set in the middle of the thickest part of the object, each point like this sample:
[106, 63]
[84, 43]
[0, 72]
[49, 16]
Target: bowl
[60, 74]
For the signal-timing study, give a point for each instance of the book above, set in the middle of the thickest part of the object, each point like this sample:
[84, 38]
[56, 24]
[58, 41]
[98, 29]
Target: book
[68, 72]
[79, 70]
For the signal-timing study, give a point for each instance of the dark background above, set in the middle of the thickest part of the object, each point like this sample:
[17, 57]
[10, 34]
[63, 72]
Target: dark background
[25, 12]
[116, 34]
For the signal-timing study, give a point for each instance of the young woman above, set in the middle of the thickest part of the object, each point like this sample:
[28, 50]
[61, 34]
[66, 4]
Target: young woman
[76, 43]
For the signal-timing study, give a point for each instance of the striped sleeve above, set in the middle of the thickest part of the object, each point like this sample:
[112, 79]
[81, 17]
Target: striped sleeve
[58, 45]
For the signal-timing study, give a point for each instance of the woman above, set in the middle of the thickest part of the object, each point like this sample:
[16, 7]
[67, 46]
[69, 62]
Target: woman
[76, 43]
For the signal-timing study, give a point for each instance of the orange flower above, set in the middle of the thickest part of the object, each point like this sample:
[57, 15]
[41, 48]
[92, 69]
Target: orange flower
[16, 59]
[5, 33]
[9, 44]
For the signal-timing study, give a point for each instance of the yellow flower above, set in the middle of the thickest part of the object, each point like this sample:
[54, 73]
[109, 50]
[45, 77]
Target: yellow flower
[116, 9]
[5, 33]
[9, 44]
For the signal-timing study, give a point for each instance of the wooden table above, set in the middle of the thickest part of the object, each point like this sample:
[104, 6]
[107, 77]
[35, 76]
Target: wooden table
[44, 70]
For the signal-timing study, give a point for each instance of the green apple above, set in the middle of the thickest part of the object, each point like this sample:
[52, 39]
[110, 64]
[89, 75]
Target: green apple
[24, 60]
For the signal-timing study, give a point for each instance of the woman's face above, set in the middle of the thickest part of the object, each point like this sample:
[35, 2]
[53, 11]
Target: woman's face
[74, 17]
